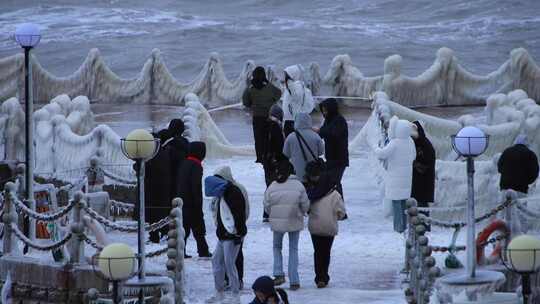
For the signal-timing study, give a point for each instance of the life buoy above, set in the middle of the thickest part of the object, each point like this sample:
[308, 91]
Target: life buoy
[483, 236]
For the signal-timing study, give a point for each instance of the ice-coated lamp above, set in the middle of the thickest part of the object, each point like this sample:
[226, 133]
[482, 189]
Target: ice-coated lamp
[470, 142]
[117, 262]
[523, 257]
[139, 144]
[27, 35]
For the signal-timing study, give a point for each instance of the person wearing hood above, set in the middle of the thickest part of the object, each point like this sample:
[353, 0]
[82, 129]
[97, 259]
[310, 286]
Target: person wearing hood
[189, 182]
[303, 145]
[335, 133]
[259, 97]
[399, 155]
[178, 148]
[266, 293]
[229, 211]
[297, 98]
[157, 185]
[286, 202]
[226, 173]
[518, 166]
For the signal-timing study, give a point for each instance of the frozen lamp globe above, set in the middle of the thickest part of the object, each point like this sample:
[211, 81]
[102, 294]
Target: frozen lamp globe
[523, 254]
[27, 35]
[139, 144]
[117, 262]
[470, 142]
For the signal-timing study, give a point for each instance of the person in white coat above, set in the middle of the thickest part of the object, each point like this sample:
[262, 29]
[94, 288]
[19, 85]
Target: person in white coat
[296, 97]
[399, 155]
[286, 203]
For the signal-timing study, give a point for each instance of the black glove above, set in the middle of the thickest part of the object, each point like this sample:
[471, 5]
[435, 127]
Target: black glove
[237, 241]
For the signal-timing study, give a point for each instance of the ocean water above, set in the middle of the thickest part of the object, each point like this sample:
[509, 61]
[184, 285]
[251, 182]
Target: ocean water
[281, 32]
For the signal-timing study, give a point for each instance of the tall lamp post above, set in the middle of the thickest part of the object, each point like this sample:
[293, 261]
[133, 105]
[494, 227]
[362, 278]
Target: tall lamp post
[140, 146]
[28, 36]
[523, 257]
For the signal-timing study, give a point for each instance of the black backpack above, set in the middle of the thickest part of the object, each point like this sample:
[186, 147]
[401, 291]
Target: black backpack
[317, 163]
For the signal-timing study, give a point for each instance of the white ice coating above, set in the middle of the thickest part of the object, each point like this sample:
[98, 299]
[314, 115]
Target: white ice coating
[446, 82]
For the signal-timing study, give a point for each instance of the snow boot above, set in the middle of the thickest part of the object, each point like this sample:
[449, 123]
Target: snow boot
[278, 280]
[295, 287]
[218, 297]
[321, 285]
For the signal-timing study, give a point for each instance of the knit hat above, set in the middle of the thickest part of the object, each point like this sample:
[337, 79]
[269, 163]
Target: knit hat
[176, 127]
[277, 112]
[264, 284]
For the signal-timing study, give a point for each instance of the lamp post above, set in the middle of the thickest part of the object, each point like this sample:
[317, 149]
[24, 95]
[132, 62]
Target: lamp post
[116, 263]
[140, 146]
[470, 142]
[523, 257]
[28, 36]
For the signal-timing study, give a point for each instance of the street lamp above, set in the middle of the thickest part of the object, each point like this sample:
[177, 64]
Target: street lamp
[470, 142]
[140, 146]
[523, 257]
[116, 263]
[28, 36]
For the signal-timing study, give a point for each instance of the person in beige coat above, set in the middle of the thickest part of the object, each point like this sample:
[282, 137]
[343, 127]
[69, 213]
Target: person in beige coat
[286, 203]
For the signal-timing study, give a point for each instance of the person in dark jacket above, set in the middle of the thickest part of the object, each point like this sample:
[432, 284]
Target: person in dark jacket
[335, 133]
[158, 173]
[189, 181]
[518, 167]
[229, 210]
[266, 293]
[178, 148]
[423, 181]
[259, 97]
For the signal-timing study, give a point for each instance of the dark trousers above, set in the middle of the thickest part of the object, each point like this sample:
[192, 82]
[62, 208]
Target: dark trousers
[155, 236]
[288, 128]
[322, 246]
[336, 174]
[199, 233]
[261, 127]
[269, 177]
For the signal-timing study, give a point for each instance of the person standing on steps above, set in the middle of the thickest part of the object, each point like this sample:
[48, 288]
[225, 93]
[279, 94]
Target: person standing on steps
[259, 97]
[335, 133]
[189, 181]
[297, 98]
[230, 216]
[286, 202]
[423, 181]
[274, 147]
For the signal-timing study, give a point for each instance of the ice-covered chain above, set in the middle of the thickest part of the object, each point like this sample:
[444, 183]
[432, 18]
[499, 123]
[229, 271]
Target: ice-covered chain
[40, 247]
[45, 217]
[118, 179]
[122, 205]
[528, 212]
[157, 253]
[463, 248]
[112, 225]
[91, 242]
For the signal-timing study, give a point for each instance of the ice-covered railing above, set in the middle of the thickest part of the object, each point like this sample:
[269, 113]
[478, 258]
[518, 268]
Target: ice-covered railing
[76, 235]
[445, 83]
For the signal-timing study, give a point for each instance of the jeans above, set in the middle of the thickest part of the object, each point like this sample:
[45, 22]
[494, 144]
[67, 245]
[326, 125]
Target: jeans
[294, 278]
[400, 218]
[322, 246]
[224, 262]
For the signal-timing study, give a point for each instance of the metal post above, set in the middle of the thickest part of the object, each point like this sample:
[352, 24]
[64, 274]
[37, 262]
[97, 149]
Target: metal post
[29, 139]
[118, 296]
[471, 244]
[139, 166]
[526, 287]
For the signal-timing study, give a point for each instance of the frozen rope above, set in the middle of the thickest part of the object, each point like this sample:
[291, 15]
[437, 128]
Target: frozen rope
[40, 247]
[528, 212]
[122, 205]
[123, 228]
[45, 217]
[62, 172]
[118, 178]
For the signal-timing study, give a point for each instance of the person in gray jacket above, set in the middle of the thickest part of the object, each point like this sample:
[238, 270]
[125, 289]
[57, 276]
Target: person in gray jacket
[299, 151]
[287, 203]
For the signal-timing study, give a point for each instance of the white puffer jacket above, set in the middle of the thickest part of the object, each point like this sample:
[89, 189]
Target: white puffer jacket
[399, 155]
[300, 98]
[325, 213]
[286, 205]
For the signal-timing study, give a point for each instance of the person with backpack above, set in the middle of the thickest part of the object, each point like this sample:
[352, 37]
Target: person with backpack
[297, 97]
[189, 181]
[335, 133]
[229, 214]
[326, 209]
[286, 202]
[226, 173]
[259, 97]
[303, 145]
[266, 293]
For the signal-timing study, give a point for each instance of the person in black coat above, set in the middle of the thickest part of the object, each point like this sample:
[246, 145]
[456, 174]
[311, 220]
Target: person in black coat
[335, 133]
[178, 149]
[423, 182]
[518, 166]
[189, 182]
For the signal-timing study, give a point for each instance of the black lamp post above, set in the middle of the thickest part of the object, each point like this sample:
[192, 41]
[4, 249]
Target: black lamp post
[523, 257]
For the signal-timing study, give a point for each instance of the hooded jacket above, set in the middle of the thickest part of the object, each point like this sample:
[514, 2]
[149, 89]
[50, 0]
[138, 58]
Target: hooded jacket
[286, 203]
[178, 148]
[260, 100]
[335, 133]
[189, 178]
[518, 166]
[229, 212]
[399, 155]
[325, 213]
[275, 140]
[226, 173]
[303, 124]
[423, 182]
[297, 98]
